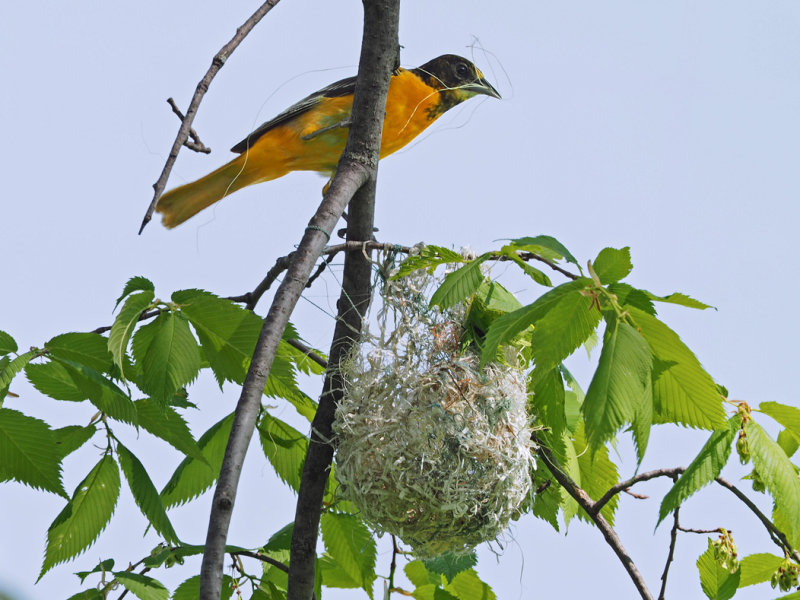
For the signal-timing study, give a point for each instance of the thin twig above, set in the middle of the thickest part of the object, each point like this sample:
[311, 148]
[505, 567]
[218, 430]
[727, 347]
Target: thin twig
[202, 87]
[585, 502]
[776, 534]
[673, 540]
[263, 558]
[624, 485]
[635, 495]
[195, 144]
[701, 531]
[393, 564]
[308, 352]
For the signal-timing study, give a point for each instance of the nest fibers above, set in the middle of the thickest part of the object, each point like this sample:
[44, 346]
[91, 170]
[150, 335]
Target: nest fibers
[430, 447]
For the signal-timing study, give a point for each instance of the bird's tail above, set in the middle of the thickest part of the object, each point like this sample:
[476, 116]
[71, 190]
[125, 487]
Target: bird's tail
[185, 201]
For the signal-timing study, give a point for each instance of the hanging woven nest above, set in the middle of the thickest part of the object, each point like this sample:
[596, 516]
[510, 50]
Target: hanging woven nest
[431, 447]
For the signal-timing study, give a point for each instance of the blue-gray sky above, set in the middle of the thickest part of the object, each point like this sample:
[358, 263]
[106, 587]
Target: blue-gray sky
[670, 127]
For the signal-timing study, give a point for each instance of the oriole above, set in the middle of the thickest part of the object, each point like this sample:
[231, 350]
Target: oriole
[311, 134]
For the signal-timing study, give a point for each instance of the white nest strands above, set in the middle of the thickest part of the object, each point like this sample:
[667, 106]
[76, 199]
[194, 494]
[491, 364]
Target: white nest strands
[430, 447]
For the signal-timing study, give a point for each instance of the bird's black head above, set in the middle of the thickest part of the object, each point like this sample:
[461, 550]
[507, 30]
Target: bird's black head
[451, 73]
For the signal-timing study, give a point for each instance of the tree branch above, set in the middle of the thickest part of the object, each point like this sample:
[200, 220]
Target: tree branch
[585, 502]
[202, 87]
[379, 57]
[673, 540]
[624, 485]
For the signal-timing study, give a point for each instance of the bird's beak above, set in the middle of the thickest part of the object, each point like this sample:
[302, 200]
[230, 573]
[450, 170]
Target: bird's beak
[481, 86]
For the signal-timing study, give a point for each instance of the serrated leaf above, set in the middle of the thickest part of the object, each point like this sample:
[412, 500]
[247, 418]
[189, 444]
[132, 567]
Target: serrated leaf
[789, 442]
[101, 391]
[788, 416]
[145, 494]
[135, 284]
[334, 576]
[418, 574]
[125, 323]
[284, 447]
[7, 343]
[717, 583]
[70, 438]
[643, 422]
[85, 516]
[459, 284]
[142, 586]
[679, 299]
[29, 452]
[227, 332]
[450, 564]
[613, 264]
[351, 545]
[682, 390]
[90, 594]
[193, 477]
[598, 474]
[90, 349]
[505, 328]
[52, 379]
[468, 586]
[429, 257]
[627, 295]
[190, 589]
[165, 422]
[758, 568]
[569, 505]
[567, 325]
[15, 366]
[104, 566]
[777, 472]
[537, 275]
[548, 402]
[620, 383]
[705, 467]
[171, 359]
[281, 539]
[546, 246]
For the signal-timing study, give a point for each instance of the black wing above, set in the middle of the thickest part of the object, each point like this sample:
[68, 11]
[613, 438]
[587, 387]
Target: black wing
[334, 90]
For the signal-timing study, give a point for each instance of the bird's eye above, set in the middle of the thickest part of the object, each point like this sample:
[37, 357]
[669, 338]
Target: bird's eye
[462, 70]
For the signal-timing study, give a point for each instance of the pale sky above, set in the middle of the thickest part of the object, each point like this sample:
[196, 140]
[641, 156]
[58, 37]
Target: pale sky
[672, 128]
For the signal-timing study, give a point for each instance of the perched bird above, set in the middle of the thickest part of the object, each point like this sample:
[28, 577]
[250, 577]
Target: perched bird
[311, 135]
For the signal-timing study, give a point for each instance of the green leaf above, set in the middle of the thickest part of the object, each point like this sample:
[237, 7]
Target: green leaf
[682, 390]
[598, 474]
[70, 438]
[7, 344]
[90, 594]
[717, 583]
[758, 568]
[505, 328]
[193, 476]
[569, 506]
[29, 452]
[643, 422]
[104, 566]
[101, 392]
[548, 403]
[145, 494]
[459, 284]
[281, 539]
[620, 383]
[429, 257]
[135, 284]
[16, 365]
[450, 564]
[788, 416]
[171, 359]
[545, 246]
[165, 422]
[567, 324]
[284, 447]
[705, 467]
[85, 515]
[468, 586]
[627, 295]
[613, 264]
[537, 275]
[90, 349]
[125, 323]
[419, 575]
[227, 332]
[350, 544]
[679, 299]
[142, 586]
[789, 442]
[52, 379]
[190, 589]
[778, 474]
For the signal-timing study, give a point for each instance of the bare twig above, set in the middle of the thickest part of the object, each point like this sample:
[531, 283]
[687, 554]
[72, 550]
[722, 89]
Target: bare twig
[635, 495]
[308, 352]
[148, 314]
[585, 502]
[673, 540]
[195, 144]
[624, 485]
[263, 558]
[379, 57]
[702, 531]
[393, 565]
[183, 133]
[778, 537]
